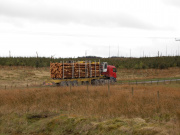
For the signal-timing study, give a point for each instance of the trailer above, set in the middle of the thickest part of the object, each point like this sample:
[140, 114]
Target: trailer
[81, 72]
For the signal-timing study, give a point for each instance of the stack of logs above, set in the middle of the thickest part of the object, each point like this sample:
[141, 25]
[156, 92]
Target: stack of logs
[74, 70]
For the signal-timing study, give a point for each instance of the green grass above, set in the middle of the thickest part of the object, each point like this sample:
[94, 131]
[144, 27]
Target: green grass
[60, 124]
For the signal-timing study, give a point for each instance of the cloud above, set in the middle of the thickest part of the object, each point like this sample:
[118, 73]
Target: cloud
[45, 12]
[175, 3]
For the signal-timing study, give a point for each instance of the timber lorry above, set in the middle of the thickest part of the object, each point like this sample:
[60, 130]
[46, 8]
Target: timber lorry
[81, 72]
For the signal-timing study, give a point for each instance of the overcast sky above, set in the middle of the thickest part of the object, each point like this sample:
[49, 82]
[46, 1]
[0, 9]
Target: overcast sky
[72, 28]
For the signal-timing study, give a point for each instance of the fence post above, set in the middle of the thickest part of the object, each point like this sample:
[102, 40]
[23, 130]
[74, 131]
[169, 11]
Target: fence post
[70, 86]
[87, 87]
[158, 95]
[108, 88]
[132, 91]
[69, 109]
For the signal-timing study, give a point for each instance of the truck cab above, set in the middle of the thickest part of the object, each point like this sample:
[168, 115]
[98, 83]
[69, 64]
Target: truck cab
[110, 72]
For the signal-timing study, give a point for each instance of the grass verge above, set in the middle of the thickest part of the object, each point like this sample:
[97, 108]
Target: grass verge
[148, 109]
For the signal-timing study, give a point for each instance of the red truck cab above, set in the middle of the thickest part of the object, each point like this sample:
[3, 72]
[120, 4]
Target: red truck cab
[111, 72]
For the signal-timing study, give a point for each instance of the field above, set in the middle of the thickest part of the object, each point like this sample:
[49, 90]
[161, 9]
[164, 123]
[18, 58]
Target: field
[17, 76]
[146, 74]
[26, 107]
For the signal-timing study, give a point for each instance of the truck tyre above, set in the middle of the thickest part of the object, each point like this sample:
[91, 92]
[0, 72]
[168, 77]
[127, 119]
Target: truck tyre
[92, 82]
[102, 82]
[112, 80]
[63, 84]
[74, 83]
[97, 82]
[68, 83]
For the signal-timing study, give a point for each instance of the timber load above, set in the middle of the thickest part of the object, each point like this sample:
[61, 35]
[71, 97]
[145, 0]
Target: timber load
[74, 70]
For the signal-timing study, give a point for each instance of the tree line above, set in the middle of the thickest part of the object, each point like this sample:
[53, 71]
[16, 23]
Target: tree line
[129, 63]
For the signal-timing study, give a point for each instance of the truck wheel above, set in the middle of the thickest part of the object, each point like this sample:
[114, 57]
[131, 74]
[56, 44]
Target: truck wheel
[97, 82]
[112, 81]
[68, 83]
[92, 82]
[102, 82]
[74, 83]
[63, 84]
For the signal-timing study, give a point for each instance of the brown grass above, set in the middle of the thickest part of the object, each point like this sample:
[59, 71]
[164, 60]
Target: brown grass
[28, 106]
[95, 102]
[143, 103]
[16, 76]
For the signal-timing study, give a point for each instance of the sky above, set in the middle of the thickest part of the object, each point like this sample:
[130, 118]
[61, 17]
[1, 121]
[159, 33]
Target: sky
[75, 28]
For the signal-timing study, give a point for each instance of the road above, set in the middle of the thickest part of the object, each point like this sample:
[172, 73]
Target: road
[150, 81]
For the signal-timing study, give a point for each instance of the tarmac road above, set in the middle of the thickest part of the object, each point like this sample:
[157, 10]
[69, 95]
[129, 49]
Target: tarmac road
[152, 81]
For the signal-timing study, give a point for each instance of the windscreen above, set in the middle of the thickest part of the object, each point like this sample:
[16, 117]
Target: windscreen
[114, 69]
